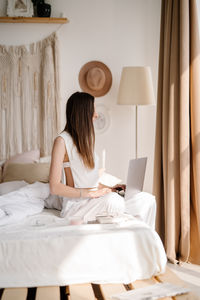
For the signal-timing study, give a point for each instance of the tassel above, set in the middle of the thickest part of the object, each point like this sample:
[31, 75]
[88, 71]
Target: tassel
[35, 86]
[35, 81]
[4, 92]
[19, 68]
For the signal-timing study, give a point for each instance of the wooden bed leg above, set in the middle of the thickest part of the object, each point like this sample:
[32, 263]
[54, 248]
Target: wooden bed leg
[67, 292]
[31, 294]
[98, 292]
[64, 292]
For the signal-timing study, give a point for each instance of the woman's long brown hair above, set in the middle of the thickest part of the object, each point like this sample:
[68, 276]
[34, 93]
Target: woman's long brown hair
[79, 114]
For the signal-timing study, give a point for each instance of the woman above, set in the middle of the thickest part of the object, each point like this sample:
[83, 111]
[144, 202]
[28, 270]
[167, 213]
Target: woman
[74, 165]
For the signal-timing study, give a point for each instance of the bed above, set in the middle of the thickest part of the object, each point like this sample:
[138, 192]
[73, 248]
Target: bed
[43, 257]
[44, 250]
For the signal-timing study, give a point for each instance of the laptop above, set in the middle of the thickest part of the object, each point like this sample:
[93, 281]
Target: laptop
[135, 177]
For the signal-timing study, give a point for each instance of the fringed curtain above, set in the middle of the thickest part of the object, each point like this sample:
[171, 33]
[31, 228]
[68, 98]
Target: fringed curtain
[29, 97]
[177, 150]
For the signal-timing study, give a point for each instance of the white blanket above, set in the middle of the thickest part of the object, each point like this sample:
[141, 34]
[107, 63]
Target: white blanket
[26, 201]
[44, 250]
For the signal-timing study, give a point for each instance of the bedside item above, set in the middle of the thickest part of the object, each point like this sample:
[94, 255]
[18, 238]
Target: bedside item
[20, 8]
[95, 78]
[136, 88]
[102, 122]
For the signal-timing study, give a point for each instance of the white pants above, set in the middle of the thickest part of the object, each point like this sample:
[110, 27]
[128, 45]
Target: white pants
[88, 208]
[142, 205]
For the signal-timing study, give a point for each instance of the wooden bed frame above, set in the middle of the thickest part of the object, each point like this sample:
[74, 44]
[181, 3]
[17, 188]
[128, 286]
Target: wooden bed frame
[91, 291]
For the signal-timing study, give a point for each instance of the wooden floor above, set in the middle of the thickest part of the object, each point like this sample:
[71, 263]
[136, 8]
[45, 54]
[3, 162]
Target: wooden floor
[90, 291]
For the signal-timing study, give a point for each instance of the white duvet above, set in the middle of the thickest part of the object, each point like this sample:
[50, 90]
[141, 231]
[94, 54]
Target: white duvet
[38, 248]
[44, 250]
[26, 201]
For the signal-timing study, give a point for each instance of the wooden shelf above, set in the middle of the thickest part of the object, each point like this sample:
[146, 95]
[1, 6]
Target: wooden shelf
[33, 20]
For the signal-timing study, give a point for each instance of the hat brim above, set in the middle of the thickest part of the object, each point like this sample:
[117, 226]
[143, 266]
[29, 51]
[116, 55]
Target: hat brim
[83, 82]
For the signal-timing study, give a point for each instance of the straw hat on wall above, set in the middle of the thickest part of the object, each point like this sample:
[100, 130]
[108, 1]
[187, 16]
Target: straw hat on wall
[95, 78]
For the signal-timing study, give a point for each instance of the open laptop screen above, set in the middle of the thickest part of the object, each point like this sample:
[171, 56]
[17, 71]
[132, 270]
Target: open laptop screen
[135, 177]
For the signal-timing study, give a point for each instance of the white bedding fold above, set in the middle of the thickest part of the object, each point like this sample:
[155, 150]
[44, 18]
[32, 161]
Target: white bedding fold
[26, 201]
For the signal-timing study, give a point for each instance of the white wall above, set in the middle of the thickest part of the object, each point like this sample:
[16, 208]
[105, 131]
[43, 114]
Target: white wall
[118, 33]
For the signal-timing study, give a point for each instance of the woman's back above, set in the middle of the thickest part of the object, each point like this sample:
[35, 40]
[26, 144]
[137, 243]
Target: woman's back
[83, 177]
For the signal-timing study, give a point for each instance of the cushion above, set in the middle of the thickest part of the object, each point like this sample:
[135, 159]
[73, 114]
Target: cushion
[29, 172]
[25, 157]
[7, 187]
[45, 159]
[108, 179]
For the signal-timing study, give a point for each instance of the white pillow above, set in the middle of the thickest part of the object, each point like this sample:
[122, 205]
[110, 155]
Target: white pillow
[10, 186]
[109, 180]
[45, 159]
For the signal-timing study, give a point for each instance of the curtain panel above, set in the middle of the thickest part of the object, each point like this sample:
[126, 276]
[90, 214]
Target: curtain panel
[177, 147]
[29, 97]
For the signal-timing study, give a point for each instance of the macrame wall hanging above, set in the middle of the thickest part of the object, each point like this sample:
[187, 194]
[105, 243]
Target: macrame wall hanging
[29, 97]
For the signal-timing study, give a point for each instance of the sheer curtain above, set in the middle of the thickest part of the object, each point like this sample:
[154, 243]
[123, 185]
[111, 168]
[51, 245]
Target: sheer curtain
[177, 148]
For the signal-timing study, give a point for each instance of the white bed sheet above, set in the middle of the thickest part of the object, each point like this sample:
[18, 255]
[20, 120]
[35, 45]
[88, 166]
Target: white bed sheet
[44, 250]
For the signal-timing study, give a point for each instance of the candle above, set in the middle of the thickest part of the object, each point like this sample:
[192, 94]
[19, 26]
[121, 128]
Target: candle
[76, 220]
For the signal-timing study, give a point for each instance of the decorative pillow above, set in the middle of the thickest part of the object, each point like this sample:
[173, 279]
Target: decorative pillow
[25, 157]
[7, 187]
[108, 179]
[45, 159]
[28, 172]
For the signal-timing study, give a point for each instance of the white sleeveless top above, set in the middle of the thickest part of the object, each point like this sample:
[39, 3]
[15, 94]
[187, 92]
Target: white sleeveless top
[82, 176]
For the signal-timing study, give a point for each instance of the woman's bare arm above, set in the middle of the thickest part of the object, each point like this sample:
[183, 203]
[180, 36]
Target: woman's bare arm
[117, 187]
[58, 188]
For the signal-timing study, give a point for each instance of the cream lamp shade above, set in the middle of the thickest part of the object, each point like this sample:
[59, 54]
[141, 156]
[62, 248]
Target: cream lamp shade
[136, 87]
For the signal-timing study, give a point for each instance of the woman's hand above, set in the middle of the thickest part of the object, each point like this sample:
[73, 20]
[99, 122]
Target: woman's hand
[95, 194]
[119, 187]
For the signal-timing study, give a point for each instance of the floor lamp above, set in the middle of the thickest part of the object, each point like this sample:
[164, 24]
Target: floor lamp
[136, 88]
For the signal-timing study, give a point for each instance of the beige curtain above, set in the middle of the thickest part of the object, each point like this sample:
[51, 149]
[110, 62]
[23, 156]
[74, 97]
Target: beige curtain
[177, 149]
[29, 97]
